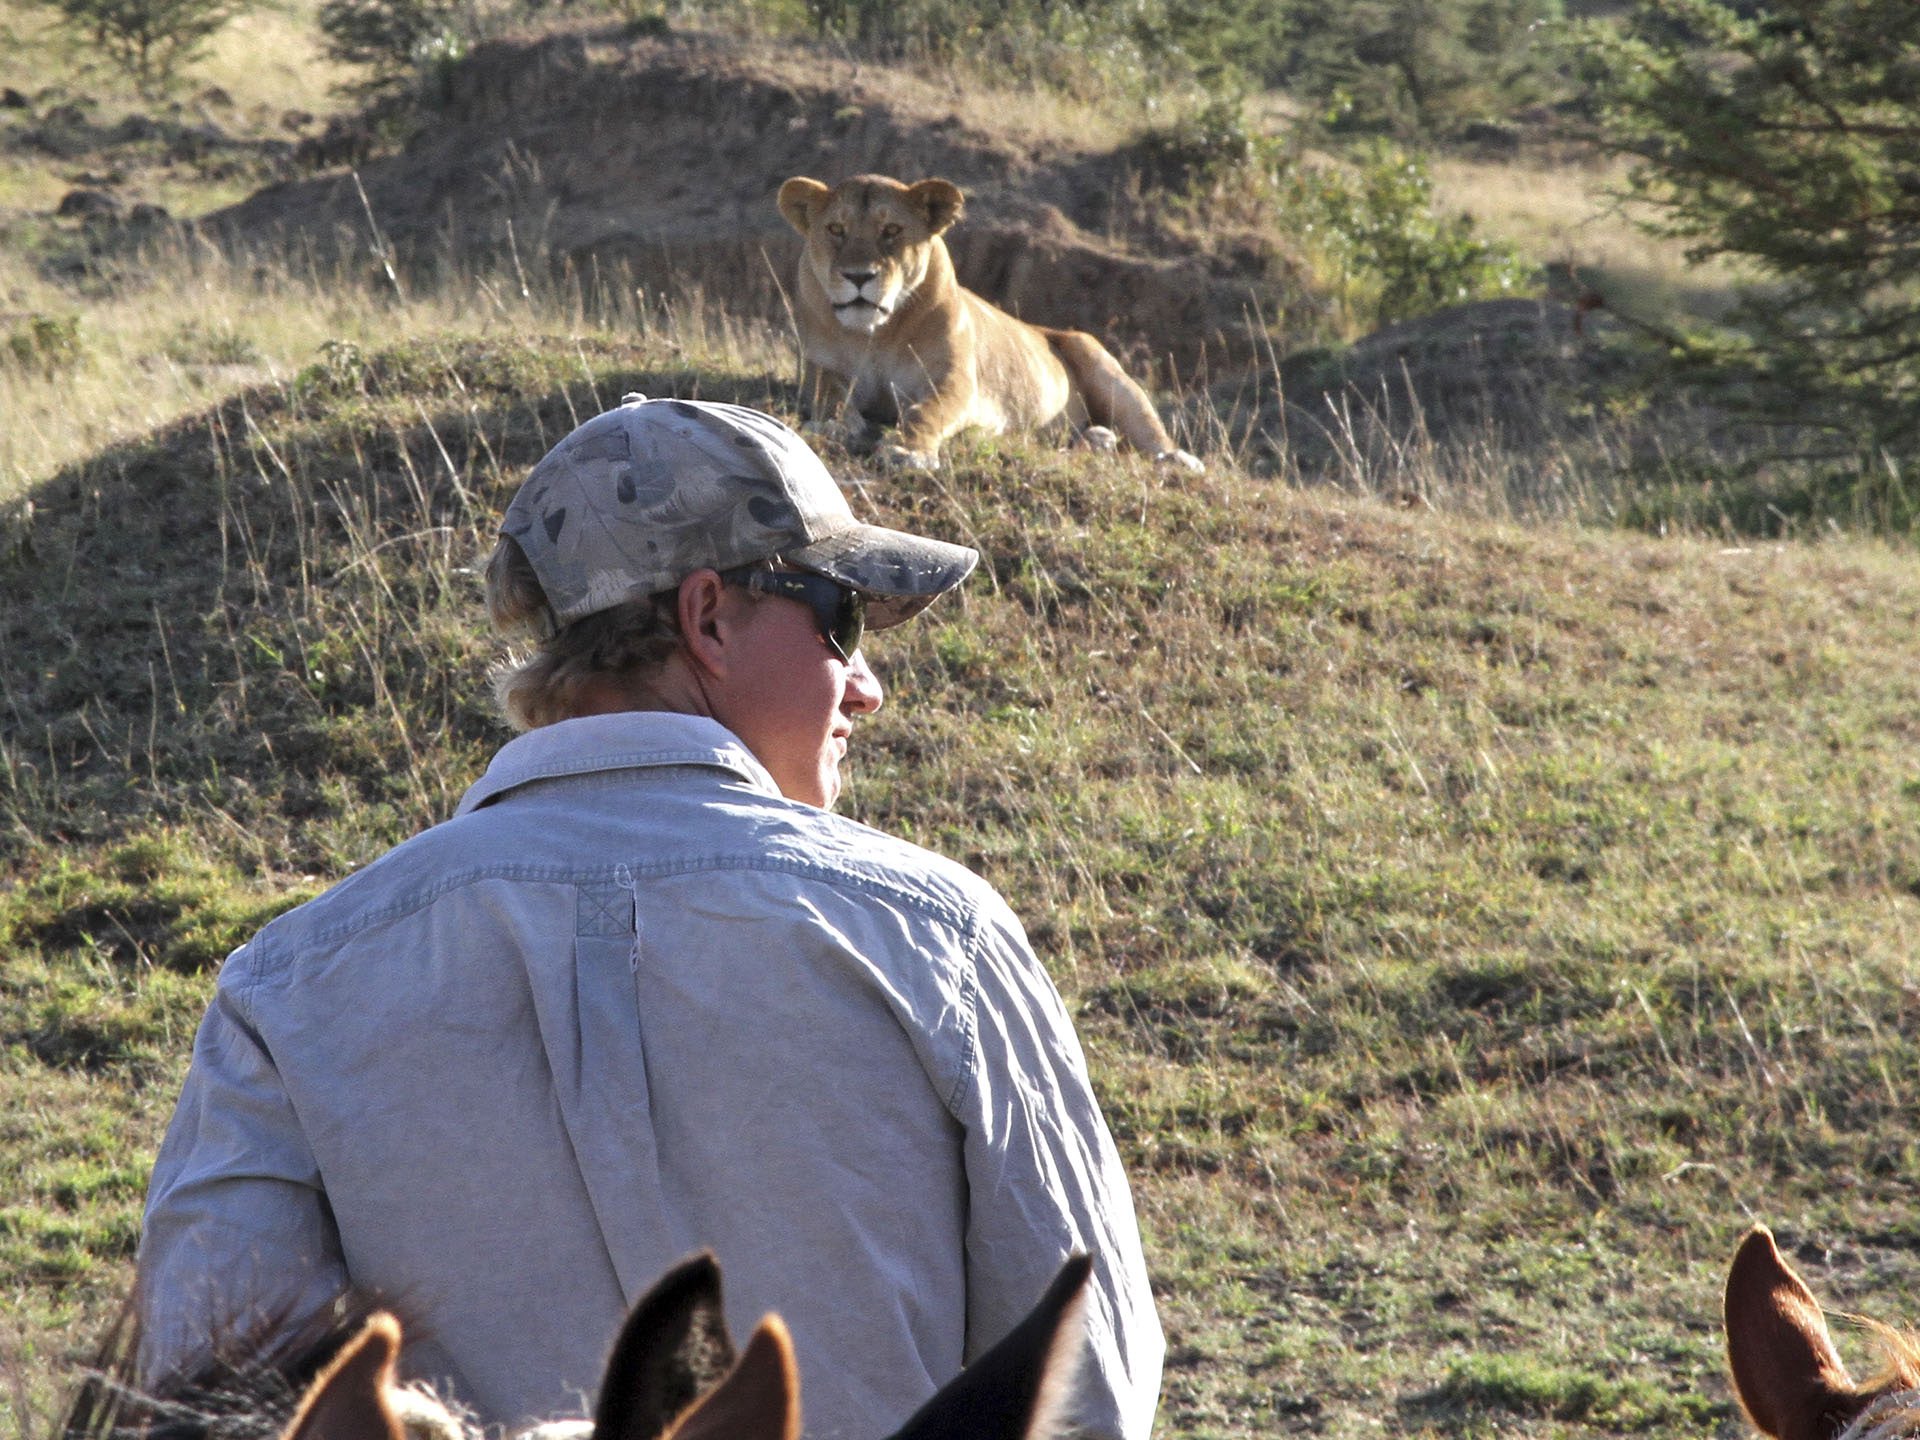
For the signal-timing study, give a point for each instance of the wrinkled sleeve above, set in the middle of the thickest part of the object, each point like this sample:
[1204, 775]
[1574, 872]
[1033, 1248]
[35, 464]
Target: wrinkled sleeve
[237, 1236]
[1044, 1179]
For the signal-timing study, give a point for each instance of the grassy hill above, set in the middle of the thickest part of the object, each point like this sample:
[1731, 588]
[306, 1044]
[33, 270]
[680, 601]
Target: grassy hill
[1474, 925]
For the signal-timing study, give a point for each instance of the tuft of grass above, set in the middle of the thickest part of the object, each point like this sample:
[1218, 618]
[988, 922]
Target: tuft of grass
[1518, 1386]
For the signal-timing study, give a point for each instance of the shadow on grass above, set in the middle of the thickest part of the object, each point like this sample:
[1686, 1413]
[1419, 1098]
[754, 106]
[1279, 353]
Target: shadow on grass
[262, 627]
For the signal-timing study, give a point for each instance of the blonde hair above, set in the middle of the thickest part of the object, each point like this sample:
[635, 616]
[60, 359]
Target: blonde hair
[625, 641]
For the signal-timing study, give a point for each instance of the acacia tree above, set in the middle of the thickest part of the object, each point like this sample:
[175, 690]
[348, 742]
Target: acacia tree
[150, 39]
[1786, 134]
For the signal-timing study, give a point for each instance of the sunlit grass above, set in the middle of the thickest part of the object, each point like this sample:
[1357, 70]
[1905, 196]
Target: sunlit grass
[1565, 212]
[182, 323]
[267, 59]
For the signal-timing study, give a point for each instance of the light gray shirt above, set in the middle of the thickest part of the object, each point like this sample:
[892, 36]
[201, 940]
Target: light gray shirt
[628, 1003]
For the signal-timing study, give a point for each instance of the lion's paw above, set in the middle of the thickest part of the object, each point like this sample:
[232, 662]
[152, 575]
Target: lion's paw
[1181, 460]
[898, 457]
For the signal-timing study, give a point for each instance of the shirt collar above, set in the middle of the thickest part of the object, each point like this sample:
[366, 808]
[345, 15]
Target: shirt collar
[632, 739]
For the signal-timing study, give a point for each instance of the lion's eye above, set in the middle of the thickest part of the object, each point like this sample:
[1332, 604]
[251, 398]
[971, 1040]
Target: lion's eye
[889, 232]
[836, 229]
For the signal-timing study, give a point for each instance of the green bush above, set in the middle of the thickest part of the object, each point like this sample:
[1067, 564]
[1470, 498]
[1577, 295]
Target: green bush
[1366, 226]
[1411, 67]
[1206, 147]
[395, 42]
[1385, 252]
[1787, 138]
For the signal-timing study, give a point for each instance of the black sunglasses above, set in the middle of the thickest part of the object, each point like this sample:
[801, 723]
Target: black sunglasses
[840, 613]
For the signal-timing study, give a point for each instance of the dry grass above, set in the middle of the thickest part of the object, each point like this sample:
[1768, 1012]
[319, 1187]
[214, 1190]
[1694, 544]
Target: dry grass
[1562, 211]
[268, 61]
[1023, 113]
[179, 323]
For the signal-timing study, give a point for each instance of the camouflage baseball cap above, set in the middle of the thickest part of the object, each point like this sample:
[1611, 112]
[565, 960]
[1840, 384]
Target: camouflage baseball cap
[638, 498]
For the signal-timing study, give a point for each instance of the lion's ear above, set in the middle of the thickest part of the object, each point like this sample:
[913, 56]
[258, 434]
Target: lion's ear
[800, 200]
[939, 200]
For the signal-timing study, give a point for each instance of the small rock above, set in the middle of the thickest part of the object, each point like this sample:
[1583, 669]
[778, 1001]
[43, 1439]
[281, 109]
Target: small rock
[1492, 139]
[89, 205]
[194, 141]
[342, 143]
[134, 129]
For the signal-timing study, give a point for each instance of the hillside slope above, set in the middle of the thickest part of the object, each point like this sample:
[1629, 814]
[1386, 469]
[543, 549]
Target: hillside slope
[655, 161]
[1471, 927]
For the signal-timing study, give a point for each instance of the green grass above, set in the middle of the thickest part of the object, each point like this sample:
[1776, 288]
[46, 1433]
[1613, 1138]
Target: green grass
[1472, 927]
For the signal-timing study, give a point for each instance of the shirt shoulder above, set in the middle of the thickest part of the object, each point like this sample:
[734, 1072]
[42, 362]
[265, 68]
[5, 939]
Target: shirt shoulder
[837, 851]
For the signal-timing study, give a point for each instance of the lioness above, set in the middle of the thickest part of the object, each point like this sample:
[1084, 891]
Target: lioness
[891, 336]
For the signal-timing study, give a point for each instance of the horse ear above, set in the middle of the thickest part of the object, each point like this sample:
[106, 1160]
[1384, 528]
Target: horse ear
[1022, 1388]
[351, 1398]
[800, 201]
[940, 201]
[672, 1350]
[758, 1400]
[1786, 1371]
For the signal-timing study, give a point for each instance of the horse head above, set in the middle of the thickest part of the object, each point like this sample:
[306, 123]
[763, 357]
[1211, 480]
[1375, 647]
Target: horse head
[674, 1375]
[1786, 1370]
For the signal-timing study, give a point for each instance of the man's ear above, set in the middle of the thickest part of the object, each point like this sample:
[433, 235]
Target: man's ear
[701, 611]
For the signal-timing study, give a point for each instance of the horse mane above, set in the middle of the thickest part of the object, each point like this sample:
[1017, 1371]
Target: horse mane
[246, 1385]
[1899, 1355]
[1895, 1386]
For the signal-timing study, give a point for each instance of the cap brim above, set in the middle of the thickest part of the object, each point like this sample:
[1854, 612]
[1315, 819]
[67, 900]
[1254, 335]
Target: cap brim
[900, 574]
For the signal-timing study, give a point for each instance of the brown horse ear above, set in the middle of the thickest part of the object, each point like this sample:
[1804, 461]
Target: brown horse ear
[939, 200]
[801, 200]
[758, 1400]
[351, 1398]
[1021, 1389]
[672, 1350]
[1788, 1375]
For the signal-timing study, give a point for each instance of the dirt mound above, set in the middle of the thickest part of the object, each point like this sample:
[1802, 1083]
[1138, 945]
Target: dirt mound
[653, 161]
[660, 157]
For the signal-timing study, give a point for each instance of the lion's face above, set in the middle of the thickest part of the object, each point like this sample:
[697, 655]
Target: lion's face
[869, 240]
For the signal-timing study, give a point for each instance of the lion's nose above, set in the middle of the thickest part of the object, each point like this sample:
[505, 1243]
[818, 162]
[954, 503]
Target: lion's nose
[858, 278]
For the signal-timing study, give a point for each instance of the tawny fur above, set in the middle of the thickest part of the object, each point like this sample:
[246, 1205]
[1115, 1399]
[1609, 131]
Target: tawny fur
[892, 337]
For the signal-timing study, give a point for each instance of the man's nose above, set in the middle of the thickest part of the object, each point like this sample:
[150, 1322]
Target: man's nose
[863, 687]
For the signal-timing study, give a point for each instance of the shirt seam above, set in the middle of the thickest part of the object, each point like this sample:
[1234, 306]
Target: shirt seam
[272, 959]
[969, 1022]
